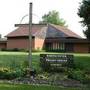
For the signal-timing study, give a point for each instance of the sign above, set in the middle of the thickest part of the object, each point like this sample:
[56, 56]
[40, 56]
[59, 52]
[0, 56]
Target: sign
[56, 60]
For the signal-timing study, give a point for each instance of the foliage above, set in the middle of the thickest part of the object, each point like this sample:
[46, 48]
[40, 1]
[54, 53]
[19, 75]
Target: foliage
[55, 50]
[76, 74]
[13, 68]
[17, 62]
[7, 73]
[79, 75]
[84, 13]
[53, 17]
[14, 49]
[87, 79]
[38, 50]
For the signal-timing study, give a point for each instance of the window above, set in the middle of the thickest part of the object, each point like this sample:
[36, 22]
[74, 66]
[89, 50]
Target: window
[61, 46]
[58, 46]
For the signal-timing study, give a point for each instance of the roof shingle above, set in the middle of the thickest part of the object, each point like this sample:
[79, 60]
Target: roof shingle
[43, 31]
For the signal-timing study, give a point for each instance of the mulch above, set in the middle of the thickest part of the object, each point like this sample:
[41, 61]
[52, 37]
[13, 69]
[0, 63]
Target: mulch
[65, 83]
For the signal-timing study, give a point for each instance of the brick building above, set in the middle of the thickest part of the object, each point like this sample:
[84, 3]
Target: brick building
[48, 37]
[3, 42]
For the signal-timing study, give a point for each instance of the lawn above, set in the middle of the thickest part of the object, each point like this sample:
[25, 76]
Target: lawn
[83, 60]
[16, 59]
[33, 87]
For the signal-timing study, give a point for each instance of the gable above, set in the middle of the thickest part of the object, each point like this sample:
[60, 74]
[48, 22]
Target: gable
[53, 32]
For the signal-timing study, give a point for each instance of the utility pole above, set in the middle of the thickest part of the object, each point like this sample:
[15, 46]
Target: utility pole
[30, 36]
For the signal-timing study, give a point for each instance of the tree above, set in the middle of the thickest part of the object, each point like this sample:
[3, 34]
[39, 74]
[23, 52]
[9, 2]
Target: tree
[84, 13]
[53, 18]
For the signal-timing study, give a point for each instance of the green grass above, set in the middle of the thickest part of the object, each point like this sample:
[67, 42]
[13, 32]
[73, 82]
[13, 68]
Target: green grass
[8, 58]
[33, 87]
[83, 62]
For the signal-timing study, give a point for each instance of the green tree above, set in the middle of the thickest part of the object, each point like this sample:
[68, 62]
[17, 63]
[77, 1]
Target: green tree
[84, 13]
[53, 18]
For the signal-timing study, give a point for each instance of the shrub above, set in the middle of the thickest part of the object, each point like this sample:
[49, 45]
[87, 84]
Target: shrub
[14, 49]
[14, 65]
[3, 72]
[87, 79]
[87, 71]
[7, 73]
[54, 50]
[25, 64]
[3, 49]
[77, 75]
[38, 50]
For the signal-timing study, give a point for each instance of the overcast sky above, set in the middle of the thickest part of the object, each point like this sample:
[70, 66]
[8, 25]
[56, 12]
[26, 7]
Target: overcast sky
[12, 11]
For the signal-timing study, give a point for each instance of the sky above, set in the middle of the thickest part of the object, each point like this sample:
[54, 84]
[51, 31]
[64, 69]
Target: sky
[12, 12]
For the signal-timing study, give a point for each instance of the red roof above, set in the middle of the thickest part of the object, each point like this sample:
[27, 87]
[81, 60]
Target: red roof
[43, 31]
[23, 30]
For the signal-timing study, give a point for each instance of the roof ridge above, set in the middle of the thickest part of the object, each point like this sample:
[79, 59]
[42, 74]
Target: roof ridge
[16, 25]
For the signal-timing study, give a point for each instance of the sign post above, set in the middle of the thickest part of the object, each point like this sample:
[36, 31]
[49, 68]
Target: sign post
[30, 36]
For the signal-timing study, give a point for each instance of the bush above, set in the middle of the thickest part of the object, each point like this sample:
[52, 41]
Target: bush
[25, 64]
[55, 50]
[38, 50]
[87, 79]
[3, 72]
[3, 49]
[77, 75]
[15, 49]
[6, 73]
